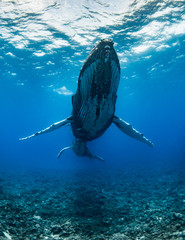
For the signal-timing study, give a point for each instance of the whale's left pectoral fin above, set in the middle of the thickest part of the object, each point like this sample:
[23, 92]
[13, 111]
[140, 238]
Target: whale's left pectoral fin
[50, 128]
[129, 130]
[91, 155]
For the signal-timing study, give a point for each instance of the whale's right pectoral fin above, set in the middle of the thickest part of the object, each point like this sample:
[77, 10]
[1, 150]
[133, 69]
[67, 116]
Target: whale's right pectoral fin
[50, 128]
[129, 130]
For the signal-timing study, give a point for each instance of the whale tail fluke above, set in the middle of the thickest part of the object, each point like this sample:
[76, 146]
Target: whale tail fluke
[91, 155]
[129, 130]
[87, 153]
[54, 126]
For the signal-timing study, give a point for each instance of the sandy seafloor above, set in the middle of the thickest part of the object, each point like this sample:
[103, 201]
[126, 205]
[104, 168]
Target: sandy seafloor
[125, 204]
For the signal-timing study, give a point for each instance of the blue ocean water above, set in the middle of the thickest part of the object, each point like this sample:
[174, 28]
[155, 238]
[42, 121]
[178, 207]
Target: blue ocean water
[43, 45]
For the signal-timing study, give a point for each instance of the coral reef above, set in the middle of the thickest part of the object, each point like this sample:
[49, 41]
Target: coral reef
[85, 205]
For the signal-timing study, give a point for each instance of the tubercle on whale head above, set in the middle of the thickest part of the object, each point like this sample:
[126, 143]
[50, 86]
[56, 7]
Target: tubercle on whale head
[106, 41]
[103, 47]
[103, 51]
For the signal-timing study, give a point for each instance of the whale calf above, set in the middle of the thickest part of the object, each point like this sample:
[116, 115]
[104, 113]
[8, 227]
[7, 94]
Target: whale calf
[94, 101]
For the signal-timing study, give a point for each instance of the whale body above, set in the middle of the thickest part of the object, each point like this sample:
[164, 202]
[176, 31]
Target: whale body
[94, 101]
[95, 98]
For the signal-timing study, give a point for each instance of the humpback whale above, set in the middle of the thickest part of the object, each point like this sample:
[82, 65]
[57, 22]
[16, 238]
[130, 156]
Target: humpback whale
[94, 101]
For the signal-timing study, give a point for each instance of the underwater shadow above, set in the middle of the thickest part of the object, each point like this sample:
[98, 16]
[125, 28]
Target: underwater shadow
[89, 205]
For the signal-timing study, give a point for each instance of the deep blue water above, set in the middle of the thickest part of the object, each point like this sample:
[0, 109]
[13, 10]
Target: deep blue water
[43, 45]
[42, 48]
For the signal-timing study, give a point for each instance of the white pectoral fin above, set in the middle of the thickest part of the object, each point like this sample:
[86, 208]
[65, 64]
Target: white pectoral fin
[129, 130]
[60, 153]
[50, 128]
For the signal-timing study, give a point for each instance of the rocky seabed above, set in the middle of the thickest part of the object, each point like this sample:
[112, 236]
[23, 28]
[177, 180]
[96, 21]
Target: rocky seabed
[81, 205]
